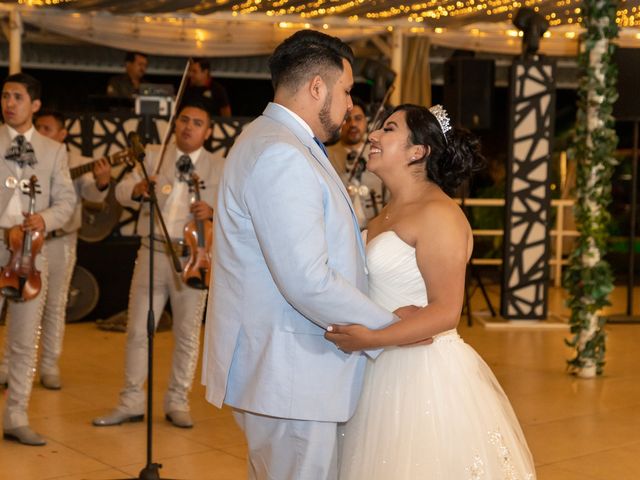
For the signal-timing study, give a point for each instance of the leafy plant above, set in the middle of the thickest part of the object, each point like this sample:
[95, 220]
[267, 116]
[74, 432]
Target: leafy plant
[589, 278]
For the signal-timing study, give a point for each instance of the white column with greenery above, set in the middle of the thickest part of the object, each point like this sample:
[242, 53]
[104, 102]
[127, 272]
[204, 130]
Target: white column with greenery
[589, 278]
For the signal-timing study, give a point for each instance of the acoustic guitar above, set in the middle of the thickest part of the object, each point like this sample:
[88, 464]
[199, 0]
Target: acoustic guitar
[98, 220]
[115, 159]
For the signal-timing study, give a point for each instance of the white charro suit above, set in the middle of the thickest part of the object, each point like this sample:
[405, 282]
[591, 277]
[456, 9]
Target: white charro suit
[289, 261]
[61, 256]
[187, 304]
[55, 204]
[62, 261]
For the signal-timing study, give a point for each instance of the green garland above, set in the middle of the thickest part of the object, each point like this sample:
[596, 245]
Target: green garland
[589, 278]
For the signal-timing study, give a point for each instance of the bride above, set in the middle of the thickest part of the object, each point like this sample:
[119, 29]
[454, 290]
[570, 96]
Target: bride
[428, 410]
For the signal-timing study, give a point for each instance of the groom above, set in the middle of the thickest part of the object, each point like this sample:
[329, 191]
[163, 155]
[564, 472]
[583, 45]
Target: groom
[289, 262]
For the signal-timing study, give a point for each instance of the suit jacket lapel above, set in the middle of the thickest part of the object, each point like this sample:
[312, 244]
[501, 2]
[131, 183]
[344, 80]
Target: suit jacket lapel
[281, 116]
[204, 165]
[39, 170]
[203, 170]
[5, 143]
[40, 152]
[166, 175]
[6, 169]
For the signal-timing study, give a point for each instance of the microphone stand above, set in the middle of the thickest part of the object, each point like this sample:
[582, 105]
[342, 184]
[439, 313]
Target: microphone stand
[151, 470]
[361, 163]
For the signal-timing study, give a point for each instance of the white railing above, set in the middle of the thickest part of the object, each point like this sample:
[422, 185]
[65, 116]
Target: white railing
[558, 234]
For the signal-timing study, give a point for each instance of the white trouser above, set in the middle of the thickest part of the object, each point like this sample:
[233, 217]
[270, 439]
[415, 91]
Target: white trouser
[187, 306]
[285, 449]
[23, 332]
[61, 254]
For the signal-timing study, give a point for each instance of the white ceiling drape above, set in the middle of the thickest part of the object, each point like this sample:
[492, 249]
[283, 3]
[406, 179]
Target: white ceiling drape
[224, 34]
[217, 35]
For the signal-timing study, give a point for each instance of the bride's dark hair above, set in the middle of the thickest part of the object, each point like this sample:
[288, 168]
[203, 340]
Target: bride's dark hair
[454, 155]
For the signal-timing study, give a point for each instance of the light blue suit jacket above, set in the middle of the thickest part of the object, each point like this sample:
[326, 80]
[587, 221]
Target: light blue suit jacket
[289, 260]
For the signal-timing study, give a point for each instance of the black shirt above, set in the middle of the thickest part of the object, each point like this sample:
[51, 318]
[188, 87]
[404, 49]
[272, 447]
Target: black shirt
[214, 94]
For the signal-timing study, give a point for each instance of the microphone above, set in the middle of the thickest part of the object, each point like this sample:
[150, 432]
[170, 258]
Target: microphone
[136, 146]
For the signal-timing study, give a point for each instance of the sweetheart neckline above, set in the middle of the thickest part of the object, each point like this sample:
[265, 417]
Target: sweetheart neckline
[370, 242]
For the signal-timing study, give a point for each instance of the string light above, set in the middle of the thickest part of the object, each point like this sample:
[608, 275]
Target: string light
[560, 12]
[40, 3]
[420, 15]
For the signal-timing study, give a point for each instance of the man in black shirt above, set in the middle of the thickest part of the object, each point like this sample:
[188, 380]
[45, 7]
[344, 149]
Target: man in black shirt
[202, 85]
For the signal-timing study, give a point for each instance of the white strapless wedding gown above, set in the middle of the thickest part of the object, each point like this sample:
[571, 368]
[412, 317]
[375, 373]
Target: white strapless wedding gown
[433, 412]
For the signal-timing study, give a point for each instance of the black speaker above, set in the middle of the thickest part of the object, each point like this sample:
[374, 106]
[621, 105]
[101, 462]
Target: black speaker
[468, 91]
[111, 262]
[628, 105]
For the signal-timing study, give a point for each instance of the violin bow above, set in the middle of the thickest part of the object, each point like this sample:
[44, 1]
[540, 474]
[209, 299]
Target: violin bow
[361, 163]
[174, 108]
[176, 263]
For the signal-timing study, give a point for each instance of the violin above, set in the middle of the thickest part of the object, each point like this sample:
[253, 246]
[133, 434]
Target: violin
[19, 279]
[198, 235]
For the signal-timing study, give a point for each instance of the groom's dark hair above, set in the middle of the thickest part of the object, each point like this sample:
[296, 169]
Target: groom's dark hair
[304, 55]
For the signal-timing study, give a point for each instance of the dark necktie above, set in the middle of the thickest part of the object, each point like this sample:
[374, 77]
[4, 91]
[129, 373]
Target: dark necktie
[21, 152]
[185, 167]
[321, 145]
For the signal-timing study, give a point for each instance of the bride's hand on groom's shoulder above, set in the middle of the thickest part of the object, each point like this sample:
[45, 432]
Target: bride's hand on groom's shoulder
[351, 338]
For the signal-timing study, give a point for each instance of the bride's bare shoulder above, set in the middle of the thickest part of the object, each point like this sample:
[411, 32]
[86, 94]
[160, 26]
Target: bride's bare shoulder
[443, 209]
[442, 218]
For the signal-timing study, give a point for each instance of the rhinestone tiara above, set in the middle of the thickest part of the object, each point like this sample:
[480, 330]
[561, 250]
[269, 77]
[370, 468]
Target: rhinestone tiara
[441, 115]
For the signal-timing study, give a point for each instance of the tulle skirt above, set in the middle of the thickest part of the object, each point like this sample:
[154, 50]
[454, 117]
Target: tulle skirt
[434, 412]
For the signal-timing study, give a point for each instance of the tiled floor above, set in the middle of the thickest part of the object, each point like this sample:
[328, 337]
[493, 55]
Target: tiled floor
[577, 429]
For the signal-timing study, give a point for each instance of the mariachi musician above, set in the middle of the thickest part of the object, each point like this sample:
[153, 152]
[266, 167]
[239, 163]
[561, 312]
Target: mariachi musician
[91, 183]
[25, 154]
[183, 158]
